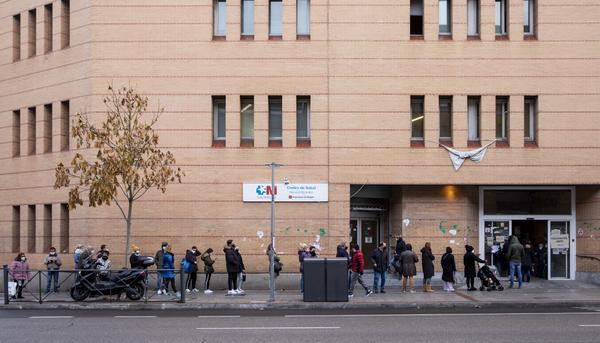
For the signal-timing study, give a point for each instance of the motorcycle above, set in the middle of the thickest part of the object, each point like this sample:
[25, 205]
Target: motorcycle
[90, 283]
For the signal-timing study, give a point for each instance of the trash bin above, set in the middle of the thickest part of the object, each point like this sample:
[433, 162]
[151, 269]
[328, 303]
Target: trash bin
[325, 279]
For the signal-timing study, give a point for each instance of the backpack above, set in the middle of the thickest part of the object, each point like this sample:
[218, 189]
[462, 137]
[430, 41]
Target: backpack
[186, 265]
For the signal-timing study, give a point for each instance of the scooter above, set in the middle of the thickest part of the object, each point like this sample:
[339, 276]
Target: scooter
[90, 283]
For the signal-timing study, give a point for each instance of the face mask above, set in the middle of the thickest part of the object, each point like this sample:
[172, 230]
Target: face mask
[137, 252]
[105, 258]
[53, 253]
[541, 246]
[23, 259]
[164, 248]
[194, 251]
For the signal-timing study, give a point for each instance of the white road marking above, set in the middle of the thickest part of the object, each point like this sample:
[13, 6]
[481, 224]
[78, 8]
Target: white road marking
[590, 325]
[219, 316]
[134, 317]
[434, 314]
[50, 317]
[276, 328]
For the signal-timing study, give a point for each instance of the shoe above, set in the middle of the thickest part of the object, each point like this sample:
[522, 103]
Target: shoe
[188, 291]
[208, 291]
[178, 294]
[195, 290]
[20, 297]
[230, 292]
[412, 291]
[159, 292]
[375, 291]
[369, 292]
[382, 291]
[240, 291]
[403, 290]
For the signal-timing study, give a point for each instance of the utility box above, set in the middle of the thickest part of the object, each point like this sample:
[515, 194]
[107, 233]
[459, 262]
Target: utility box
[325, 279]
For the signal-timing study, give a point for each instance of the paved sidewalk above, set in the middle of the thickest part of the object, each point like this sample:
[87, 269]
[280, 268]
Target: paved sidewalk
[535, 294]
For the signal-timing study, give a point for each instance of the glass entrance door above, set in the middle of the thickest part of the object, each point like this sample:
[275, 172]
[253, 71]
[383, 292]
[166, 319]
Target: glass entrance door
[365, 233]
[559, 249]
[496, 234]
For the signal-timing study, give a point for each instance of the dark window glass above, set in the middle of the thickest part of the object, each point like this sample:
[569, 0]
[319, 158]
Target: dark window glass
[546, 202]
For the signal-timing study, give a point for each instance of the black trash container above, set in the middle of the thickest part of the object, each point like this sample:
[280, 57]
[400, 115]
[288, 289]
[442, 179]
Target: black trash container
[325, 279]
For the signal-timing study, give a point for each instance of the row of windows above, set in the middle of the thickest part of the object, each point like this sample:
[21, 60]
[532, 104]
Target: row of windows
[473, 17]
[247, 119]
[27, 119]
[417, 105]
[48, 30]
[275, 18]
[44, 234]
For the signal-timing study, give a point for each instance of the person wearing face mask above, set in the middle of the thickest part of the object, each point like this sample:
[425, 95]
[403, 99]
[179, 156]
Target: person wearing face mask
[158, 260]
[134, 258]
[208, 259]
[19, 273]
[191, 257]
[541, 258]
[241, 276]
[53, 263]
[103, 265]
[169, 271]
[77, 255]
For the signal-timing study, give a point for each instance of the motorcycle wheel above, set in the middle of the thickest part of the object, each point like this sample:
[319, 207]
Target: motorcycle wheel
[79, 293]
[135, 292]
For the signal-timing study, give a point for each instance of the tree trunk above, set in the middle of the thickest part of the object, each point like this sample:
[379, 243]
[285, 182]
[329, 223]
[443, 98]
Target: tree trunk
[128, 238]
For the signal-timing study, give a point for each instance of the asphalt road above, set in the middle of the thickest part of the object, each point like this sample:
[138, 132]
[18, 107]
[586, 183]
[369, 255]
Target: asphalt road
[547, 325]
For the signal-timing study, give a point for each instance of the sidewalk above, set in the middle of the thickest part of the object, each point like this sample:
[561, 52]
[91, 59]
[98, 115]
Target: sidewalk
[537, 294]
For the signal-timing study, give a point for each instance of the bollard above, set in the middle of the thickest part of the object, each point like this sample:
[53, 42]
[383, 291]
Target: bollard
[146, 286]
[182, 283]
[5, 281]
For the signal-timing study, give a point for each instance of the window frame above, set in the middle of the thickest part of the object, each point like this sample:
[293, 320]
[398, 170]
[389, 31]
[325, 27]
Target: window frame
[477, 101]
[303, 99]
[246, 20]
[448, 99]
[273, 99]
[422, 15]
[216, 102]
[245, 101]
[448, 15]
[415, 116]
[505, 117]
[530, 136]
[271, 17]
[306, 21]
[217, 22]
[503, 17]
[529, 5]
[477, 18]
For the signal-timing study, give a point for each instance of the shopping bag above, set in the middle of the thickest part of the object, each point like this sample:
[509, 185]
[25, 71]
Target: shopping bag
[12, 288]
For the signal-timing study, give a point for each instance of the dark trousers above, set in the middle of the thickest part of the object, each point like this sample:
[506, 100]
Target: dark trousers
[171, 281]
[191, 280]
[207, 281]
[232, 280]
[52, 274]
[526, 273]
[470, 282]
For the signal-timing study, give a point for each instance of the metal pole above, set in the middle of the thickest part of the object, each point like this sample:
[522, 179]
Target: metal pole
[40, 285]
[271, 259]
[5, 281]
[181, 283]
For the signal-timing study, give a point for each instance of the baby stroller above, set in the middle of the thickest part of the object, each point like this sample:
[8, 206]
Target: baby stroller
[489, 281]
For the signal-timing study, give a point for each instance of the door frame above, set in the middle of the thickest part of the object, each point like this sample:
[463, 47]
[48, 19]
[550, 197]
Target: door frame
[570, 218]
[359, 217]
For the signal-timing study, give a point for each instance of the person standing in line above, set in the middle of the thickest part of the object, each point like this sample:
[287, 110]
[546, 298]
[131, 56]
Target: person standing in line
[77, 255]
[448, 270]
[342, 252]
[541, 260]
[408, 260]
[470, 269]
[313, 251]
[241, 275]
[135, 257]
[102, 250]
[515, 256]
[191, 257]
[208, 259]
[158, 260]
[380, 266]
[232, 267]
[400, 248]
[302, 254]
[53, 263]
[19, 273]
[169, 271]
[527, 262]
[427, 259]
[357, 267]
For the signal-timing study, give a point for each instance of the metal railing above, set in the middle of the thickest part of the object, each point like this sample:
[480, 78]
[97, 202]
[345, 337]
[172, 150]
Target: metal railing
[96, 283]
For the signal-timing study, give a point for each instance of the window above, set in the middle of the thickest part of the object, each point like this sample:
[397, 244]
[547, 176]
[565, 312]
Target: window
[446, 118]
[502, 118]
[47, 28]
[220, 17]
[47, 128]
[65, 132]
[247, 117]
[473, 17]
[275, 18]
[416, 17]
[417, 117]
[47, 226]
[303, 17]
[445, 9]
[65, 23]
[16, 51]
[529, 19]
[16, 229]
[530, 119]
[219, 118]
[31, 34]
[31, 132]
[275, 118]
[31, 234]
[16, 136]
[473, 118]
[303, 117]
[247, 17]
[501, 17]
[64, 227]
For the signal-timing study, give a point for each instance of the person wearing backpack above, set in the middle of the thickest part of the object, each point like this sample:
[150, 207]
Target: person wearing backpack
[208, 259]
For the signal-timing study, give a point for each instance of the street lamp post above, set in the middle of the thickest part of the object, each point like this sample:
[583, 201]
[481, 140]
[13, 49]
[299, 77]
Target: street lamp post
[271, 248]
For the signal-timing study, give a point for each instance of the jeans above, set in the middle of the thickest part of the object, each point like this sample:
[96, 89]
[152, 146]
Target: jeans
[515, 266]
[52, 274]
[376, 276]
[349, 278]
[159, 280]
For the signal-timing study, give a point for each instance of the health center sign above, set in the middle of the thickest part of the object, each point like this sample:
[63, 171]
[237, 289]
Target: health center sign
[297, 192]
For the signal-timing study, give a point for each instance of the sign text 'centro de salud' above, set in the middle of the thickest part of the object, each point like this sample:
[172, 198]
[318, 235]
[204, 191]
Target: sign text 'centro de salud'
[296, 192]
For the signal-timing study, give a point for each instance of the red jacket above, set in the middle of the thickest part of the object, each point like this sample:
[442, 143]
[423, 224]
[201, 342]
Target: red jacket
[358, 262]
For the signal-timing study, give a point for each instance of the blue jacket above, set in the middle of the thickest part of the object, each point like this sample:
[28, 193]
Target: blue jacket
[168, 263]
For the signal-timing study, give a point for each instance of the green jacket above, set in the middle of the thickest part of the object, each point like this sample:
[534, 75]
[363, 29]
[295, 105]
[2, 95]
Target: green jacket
[515, 250]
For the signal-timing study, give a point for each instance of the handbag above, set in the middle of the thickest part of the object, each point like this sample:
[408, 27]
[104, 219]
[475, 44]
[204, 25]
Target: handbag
[12, 288]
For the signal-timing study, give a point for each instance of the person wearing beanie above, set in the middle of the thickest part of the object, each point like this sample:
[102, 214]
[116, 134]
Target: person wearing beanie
[134, 258]
[158, 260]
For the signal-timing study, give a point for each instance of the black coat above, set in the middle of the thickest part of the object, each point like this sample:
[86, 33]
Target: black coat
[427, 263]
[400, 246]
[469, 260]
[192, 259]
[448, 267]
[231, 261]
[380, 260]
[240, 261]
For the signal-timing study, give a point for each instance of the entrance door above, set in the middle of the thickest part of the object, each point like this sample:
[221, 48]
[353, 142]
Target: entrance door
[496, 235]
[559, 249]
[365, 233]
